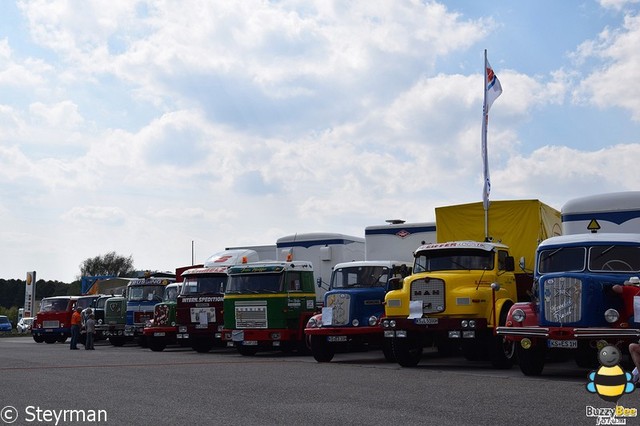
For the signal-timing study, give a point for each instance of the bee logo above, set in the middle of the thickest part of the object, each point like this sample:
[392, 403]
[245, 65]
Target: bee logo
[610, 381]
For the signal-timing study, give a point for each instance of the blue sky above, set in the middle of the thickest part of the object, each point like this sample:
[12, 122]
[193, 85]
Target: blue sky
[147, 125]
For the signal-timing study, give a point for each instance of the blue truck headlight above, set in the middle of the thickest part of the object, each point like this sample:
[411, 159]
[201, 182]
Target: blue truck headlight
[373, 320]
[518, 315]
[355, 322]
[611, 315]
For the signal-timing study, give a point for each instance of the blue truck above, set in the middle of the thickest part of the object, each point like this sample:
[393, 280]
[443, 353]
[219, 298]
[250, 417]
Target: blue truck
[353, 307]
[142, 296]
[574, 310]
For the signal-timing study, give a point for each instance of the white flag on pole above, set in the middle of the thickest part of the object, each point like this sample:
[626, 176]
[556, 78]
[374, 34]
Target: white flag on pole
[492, 89]
[492, 86]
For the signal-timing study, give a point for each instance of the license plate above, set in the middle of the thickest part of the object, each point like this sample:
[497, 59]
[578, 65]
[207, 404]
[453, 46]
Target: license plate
[564, 344]
[250, 343]
[48, 330]
[158, 334]
[426, 321]
[336, 338]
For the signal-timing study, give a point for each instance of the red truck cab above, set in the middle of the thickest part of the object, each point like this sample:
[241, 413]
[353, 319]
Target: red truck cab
[53, 322]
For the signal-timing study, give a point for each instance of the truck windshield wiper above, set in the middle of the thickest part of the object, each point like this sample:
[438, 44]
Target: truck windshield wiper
[605, 251]
[553, 253]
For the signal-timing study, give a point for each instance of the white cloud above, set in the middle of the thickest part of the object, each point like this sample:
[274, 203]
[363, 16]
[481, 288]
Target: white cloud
[617, 4]
[617, 82]
[62, 114]
[147, 125]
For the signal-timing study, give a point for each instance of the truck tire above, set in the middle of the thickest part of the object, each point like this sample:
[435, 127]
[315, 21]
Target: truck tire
[322, 350]
[247, 350]
[157, 345]
[387, 350]
[38, 338]
[407, 350]
[50, 339]
[503, 352]
[531, 360]
[117, 340]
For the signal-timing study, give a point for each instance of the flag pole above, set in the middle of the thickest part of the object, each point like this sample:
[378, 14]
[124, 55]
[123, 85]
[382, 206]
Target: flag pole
[485, 155]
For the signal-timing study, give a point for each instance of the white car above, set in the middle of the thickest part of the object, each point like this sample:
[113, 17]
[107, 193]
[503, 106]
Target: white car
[24, 325]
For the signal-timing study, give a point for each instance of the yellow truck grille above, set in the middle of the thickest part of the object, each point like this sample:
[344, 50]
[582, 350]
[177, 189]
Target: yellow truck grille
[431, 292]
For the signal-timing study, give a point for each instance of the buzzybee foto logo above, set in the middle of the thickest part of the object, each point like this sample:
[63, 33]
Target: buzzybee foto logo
[610, 382]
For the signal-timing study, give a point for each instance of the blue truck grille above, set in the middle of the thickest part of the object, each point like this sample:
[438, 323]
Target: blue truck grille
[430, 292]
[562, 300]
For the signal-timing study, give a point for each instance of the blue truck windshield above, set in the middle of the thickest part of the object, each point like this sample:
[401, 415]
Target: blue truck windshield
[145, 292]
[360, 276]
[606, 258]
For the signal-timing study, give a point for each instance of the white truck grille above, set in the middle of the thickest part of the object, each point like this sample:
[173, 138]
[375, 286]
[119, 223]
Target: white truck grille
[51, 324]
[562, 298]
[251, 315]
[431, 292]
[340, 303]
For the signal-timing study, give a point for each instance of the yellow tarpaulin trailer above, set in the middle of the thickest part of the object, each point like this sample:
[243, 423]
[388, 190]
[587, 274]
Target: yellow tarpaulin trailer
[520, 224]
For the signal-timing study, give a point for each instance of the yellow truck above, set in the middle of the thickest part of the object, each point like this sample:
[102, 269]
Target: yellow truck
[465, 283]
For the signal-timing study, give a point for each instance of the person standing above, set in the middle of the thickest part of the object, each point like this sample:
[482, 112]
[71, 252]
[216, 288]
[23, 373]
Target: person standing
[76, 321]
[90, 328]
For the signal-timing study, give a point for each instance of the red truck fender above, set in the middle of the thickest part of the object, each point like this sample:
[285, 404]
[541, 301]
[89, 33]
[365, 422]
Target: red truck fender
[530, 312]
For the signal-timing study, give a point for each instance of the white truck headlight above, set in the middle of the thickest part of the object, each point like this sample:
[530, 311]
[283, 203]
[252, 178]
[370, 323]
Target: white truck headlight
[518, 315]
[611, 315]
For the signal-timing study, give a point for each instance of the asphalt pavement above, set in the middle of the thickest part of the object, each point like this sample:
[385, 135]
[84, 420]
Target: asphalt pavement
[49, 384]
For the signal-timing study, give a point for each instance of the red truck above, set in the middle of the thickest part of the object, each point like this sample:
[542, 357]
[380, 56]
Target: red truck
[199, 305]
[53, 322]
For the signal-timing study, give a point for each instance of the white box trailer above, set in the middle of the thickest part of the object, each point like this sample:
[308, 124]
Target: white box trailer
[265, 252]
[323, 250]
[397, 241]
[617, 212]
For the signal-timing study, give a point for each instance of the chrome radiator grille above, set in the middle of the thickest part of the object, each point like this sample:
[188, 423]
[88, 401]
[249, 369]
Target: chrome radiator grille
[430, 292]
[562, 300]
[340, 303]
[51, 324]
[250, 315]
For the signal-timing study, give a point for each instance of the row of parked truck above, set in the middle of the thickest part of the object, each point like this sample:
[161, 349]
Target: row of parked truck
[519, 281]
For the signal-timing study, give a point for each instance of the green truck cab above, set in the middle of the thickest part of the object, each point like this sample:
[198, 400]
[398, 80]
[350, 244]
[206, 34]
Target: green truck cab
[267, 305]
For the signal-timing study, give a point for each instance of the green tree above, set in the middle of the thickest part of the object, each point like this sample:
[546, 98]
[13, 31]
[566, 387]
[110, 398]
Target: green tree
[107, 264]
